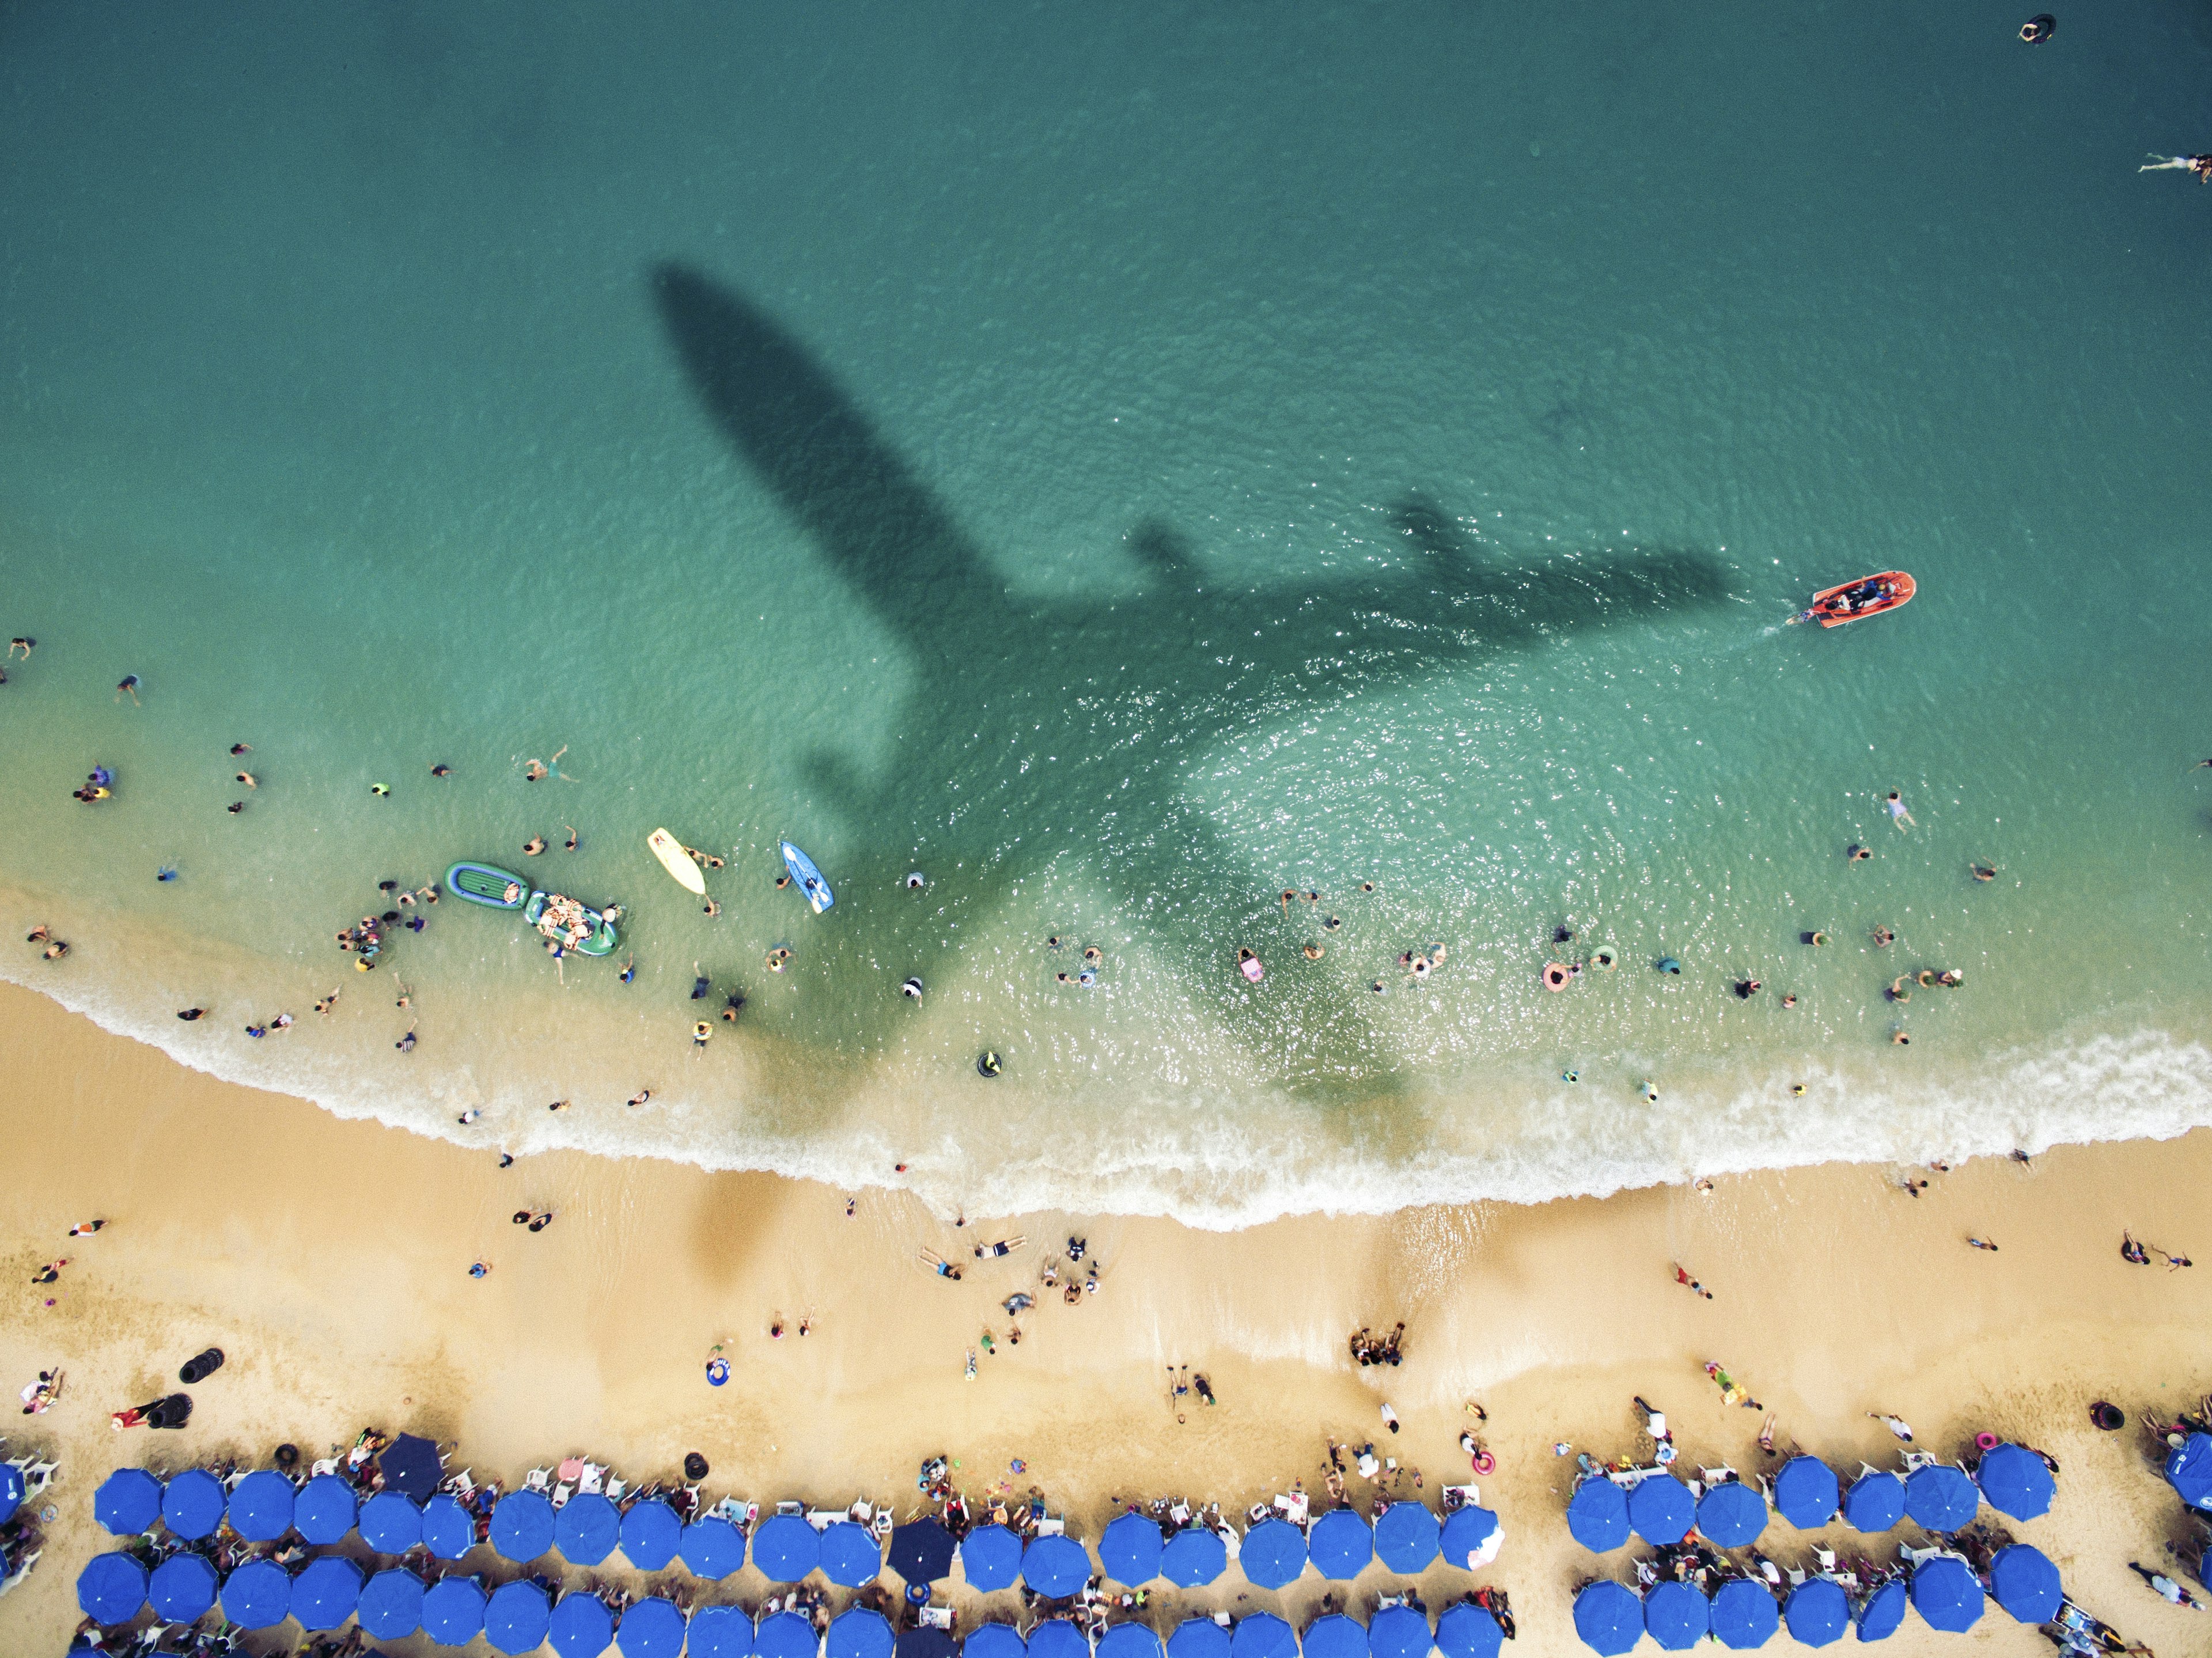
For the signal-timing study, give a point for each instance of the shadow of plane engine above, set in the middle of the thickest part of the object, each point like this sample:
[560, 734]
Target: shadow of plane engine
[1124, 691]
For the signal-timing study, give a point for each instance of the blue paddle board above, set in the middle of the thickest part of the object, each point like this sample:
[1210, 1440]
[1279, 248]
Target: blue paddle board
[807, 878]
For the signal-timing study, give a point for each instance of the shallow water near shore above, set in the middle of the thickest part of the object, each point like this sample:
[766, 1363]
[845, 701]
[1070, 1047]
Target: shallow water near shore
[1122, 468]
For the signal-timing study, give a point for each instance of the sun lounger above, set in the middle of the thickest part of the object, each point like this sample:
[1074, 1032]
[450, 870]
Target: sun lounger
[38, 1477]
[937, 1618]
[1915, 1461]
[1826, 1556]
[562, 1492]
[1462, 1496]
[1051, 1526]
[797, 1510]
[1293, 1508]
[614, 1488]
[823, 1518]
[537, 1479]
[593, 1478]
[1179, 1511]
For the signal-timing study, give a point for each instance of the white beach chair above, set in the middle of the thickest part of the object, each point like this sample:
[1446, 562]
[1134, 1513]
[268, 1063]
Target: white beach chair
[460, 1484]
[1720, 1476]
[1256, 1513]
[328, 1465]
[937, 1618]
[537, 1479]
[796, 1510]
[1826, 1556]
[728, 1508]
[1051, 1526]
[38, 1477]
[1915, 1461]
[823, 1518]
[1293, 1508]
[593, 1478]
[881, 1527]
[614, 1488]
[1796, 1575]
[1180, 1513]
[562, 1493]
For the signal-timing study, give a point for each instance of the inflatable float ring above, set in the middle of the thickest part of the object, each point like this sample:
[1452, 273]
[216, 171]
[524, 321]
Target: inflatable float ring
[914, 879]
[987, 1064]
[2039, 28]
[1485, 1462]
[1985, 1442]
[1555, 976]
[1604, 961]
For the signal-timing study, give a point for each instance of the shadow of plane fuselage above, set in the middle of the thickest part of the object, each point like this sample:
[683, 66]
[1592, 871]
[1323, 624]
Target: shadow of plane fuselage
[1122, 692]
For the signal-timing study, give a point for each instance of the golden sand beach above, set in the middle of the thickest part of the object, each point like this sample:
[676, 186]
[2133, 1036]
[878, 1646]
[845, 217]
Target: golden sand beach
[329, 1260]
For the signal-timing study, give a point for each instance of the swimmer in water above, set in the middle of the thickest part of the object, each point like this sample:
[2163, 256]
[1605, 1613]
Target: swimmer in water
[406, 1043]
[571, 841]
[2200, 165]
[641, 1097]
[1332, 924]
[711, 908]
[1988, 871]
[1900, 1039]
[781, 882]
[533, 845]
[237, 749]
[22, 645]
[629, 970]
[1856, 854]
[1314, 952]
[235, 807]
[441, 771]
[1092, 953]
[1883, 937]
[1897, 991]
[380, 788]
[1897, 814]
[1746, 988]
[698, 982]
[730, 1007]
[167, 872]
[1287, 896]
[776, 959]
[128, 686]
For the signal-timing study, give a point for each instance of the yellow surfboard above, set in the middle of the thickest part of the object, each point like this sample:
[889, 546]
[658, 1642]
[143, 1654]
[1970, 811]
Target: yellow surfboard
[678, 862]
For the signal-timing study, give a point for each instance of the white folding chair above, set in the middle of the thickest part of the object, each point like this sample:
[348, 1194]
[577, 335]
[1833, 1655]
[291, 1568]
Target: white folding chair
[594, 1480]
[1180, 1513]
[790, 1507]
[881, 1525]
[1051, 1526]
[537, 1479]
[823, 1518]
[614, 1488]
[328, 1465]
[38, 1477]
[562, 1493]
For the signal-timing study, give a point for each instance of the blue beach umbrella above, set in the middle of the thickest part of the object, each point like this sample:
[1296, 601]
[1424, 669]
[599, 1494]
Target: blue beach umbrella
[652, 1628]
[516, 1618]
[786, 1635]
[858, 1632]
[1941, 1498]
[111, 1589]
[323, 1511]
[921, 1551]
[1398, 1633]
[850, 1555]
[1257, 1635]
[1875, 1502]
[391, 1524]
[449, 1531]
[581, 1626]
[391, 1603]
[1608, 1619]
[1194, 1558]
[1661, 1510]
[11, 1491]
[990, 1558]
[1731, 1514]
[410, 1465]
[1817, 1613]
[1334, 1637]
[1199, 1638]
[2015, 1481]
[261, 1506]
[1054, 1566]
[1058, 1638]
[1597, 1515]
[1744, 1615]
[786, 1548]
[1274, 1554]
[1676, 1616]
[1805, 1493]
[2189, 1471]
[1467, 1530]
[2026, 1584]
[452, 1611]
[587, 1529]
[650, 1534]
[1406, 1537]
[1882, 1613]
[922, 1642]
[1946, 1594]
[521, 1526]
[1341, 1544]
[181, 1588]
[1468, 1630]
[128, 1502]
[257, 1595]
[1004, 1640]
[714, 1548]
[718, 1632]
[326, 1592]
[1129, 1641]
[1129, 1551]
[192, 1504]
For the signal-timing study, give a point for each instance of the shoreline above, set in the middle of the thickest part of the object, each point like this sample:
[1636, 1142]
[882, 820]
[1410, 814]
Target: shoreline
[326, 1257]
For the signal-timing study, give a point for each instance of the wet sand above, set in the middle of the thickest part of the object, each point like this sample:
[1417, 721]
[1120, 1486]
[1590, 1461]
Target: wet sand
[329, 1258]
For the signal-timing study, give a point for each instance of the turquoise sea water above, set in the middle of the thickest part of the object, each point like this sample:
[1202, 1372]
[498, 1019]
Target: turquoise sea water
[1122, 467]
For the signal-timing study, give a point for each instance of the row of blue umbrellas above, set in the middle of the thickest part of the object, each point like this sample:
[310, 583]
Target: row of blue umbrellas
[519, 1617]
[589, 1527]
[1743, 1613]
[1661, 1510]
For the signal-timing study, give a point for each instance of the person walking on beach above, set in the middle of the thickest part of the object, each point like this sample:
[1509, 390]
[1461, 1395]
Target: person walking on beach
[1896, 1425]
[1982, 1243]
[2166, 1588]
